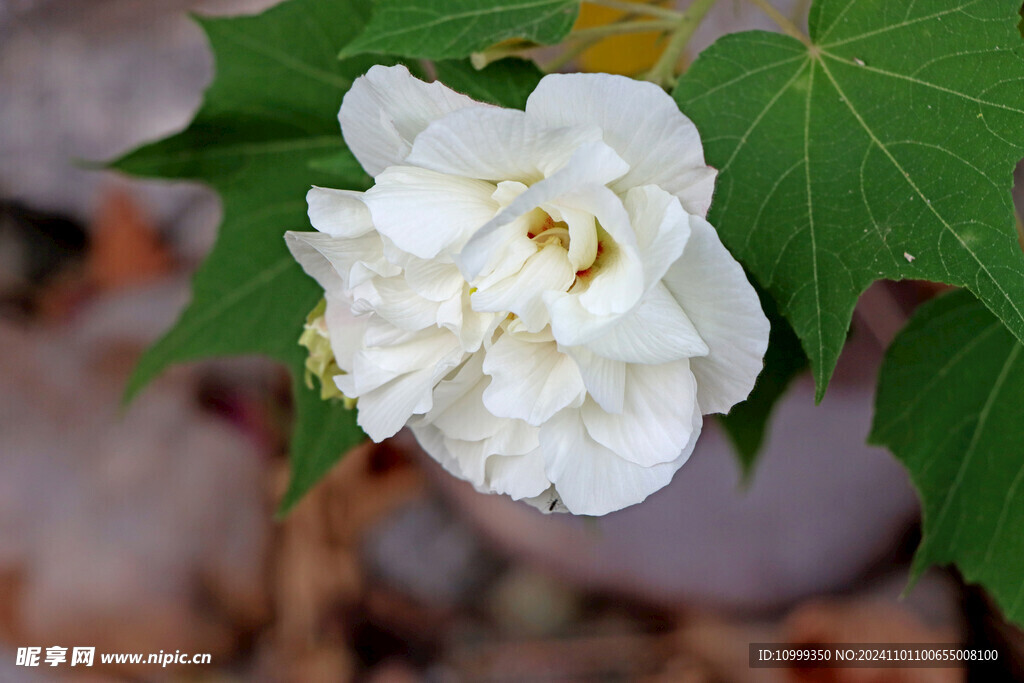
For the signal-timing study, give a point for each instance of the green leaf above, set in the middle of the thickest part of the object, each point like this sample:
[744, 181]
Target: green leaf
[885, 149]
[323, 432]
[747, 423]
[506, 83]
[266, 132]
[949, 407]
[441, 29]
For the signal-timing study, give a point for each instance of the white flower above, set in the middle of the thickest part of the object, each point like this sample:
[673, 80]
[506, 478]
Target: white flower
[536, 294]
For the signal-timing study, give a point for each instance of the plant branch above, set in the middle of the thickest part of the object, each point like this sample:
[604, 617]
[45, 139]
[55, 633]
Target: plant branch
[637, 26]
[787, 26]
[578, 41]
[639, 8]
[664, 70]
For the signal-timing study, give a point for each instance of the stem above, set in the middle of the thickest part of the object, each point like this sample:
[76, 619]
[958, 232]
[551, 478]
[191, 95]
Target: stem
[583, 38]
[567, 55]
[638, 26]
[639, 8]
[479, 60]
[664, 70]
[800, 8]
[787, 26]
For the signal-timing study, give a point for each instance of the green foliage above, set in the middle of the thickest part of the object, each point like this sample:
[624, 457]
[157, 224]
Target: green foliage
[506, 83]
[949, 407]
[266, 132]
[442, 29]
[884, 149]
[747, 423]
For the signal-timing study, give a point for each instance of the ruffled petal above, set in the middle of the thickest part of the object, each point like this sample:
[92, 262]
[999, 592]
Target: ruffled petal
[497, 145]
[712, 288]
[655, 331]
[401, 381]
[458, 409]
[392, 299]
[313, 262]
[592, 165]
[434, 279]
[517, 476]
[340, 213]
[531, 381]
[425, 212]
[662, 229]
[384, 111]
[604, 378]
[657, 419]
[640, 122]
[375, 366]
[345, 330]
[591, 479]
[522, 293]
[355, 260]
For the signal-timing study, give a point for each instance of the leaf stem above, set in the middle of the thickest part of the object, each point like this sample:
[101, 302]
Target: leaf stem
[787, 26]
[664, 70]
[580, 40]
[636, 26]
[568, 54]
[639, 8]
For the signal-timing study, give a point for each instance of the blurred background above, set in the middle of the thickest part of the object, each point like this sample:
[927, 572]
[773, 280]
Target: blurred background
[152, 528]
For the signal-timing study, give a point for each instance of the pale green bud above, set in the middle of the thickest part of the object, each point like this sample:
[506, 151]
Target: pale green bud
[320, 362]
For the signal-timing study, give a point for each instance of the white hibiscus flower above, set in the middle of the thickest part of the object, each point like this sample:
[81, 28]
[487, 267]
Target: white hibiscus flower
[536, 293]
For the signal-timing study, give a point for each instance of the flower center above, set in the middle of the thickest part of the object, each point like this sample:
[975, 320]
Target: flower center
[545, 230]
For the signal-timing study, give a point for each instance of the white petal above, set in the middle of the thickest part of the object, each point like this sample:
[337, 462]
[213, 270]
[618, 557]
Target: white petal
[354, 260]
[591, 479]
[340, 213]
[386, 109]
[604, 378]
[655, 331]
[662, 229]
[548, 501]
[434, 279]
[496, 145]
[425, 212]
[506, 191]
[518, 476]
[345, 330]
[582, 234]
[641, 122]
[531, 381]
[458, 463]
[386, 409]
[383, 410]
[375, 366]
[472, 327]
[712, 288]
[509, 246]
[458, 409]
[313, 262]
[657, 419]
[397, 303]
[522, 293]
[618, 284]
[593, 164]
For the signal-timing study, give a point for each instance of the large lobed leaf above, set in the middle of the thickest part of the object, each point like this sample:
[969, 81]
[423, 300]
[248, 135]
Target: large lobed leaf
[884, 149]
[266, 131]
[949, 407]
[441, 29]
